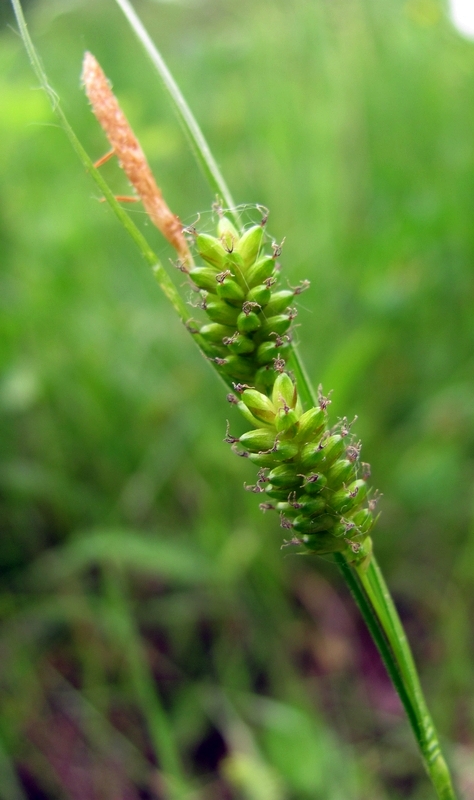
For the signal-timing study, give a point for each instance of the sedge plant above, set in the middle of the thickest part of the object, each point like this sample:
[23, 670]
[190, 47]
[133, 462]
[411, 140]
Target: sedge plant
[308, 469]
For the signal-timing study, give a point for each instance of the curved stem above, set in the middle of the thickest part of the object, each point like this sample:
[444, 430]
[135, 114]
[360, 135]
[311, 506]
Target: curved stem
[147, 253]
[376, 605]
[199, 146]
[378, 598]
[159, 272]
[376, 631]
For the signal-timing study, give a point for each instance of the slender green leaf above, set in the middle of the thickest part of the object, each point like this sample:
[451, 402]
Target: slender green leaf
[187, 119]
[150, 257]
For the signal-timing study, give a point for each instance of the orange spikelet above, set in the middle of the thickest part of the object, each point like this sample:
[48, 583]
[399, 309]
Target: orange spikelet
[130, 155]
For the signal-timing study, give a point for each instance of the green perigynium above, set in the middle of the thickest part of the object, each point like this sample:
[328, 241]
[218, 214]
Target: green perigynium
[310, 472]
[249, 317]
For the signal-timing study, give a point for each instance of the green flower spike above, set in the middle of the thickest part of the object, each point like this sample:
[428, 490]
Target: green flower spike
[327, 509]
[239, 293]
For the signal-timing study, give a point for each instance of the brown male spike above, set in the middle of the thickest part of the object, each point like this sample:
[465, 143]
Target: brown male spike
[125, 145]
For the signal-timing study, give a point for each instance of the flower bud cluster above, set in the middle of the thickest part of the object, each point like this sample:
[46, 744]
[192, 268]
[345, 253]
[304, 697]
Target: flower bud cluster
[249, 318]
[311, 474]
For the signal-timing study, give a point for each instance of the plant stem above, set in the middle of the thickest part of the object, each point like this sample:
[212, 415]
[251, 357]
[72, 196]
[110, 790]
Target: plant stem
[380, 615]
[378, 598]
[376, 631]
[195, 136]
[150, 257]
[159, 272]
[372, 595]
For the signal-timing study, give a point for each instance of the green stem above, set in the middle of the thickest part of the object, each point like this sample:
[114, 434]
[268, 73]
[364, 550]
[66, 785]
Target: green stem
[378, 598]
[150, 257]
[159, 272]
[375, 603]
[380, 615]
[376, 631]
[204, 158]
[199, 146]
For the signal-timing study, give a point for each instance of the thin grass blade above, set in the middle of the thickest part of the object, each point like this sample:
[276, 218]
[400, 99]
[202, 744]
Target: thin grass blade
[187, 119]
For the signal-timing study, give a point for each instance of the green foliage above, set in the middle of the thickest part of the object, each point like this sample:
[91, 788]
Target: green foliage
[353, 123]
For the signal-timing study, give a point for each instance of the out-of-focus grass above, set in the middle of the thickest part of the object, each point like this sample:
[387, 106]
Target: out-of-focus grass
[353, 122]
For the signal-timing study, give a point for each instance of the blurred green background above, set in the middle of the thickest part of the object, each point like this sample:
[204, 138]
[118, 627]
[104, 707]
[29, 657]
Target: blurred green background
[141, 589]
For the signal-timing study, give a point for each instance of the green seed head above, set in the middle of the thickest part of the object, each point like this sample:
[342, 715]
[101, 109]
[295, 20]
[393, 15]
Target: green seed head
[211, 250]
[260, 271]
[229, 290]
[259, 405]
[227, 234]
[215, 332]
[248, 322]
[284, 393]
[249, 244]
[204, 278]
[311, 423]
[259, 440]
[285, 476]
[312, 479]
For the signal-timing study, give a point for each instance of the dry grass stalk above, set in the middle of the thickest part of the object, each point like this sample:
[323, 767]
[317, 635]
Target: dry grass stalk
[130, 155]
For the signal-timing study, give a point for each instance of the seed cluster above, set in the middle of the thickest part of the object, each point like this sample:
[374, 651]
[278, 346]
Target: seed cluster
[249, 319]
[311, 474]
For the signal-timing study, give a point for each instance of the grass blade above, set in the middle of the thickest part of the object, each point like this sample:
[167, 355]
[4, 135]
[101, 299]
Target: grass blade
[187, 119]
[150, 257]
[127, 223]
[378, 596]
